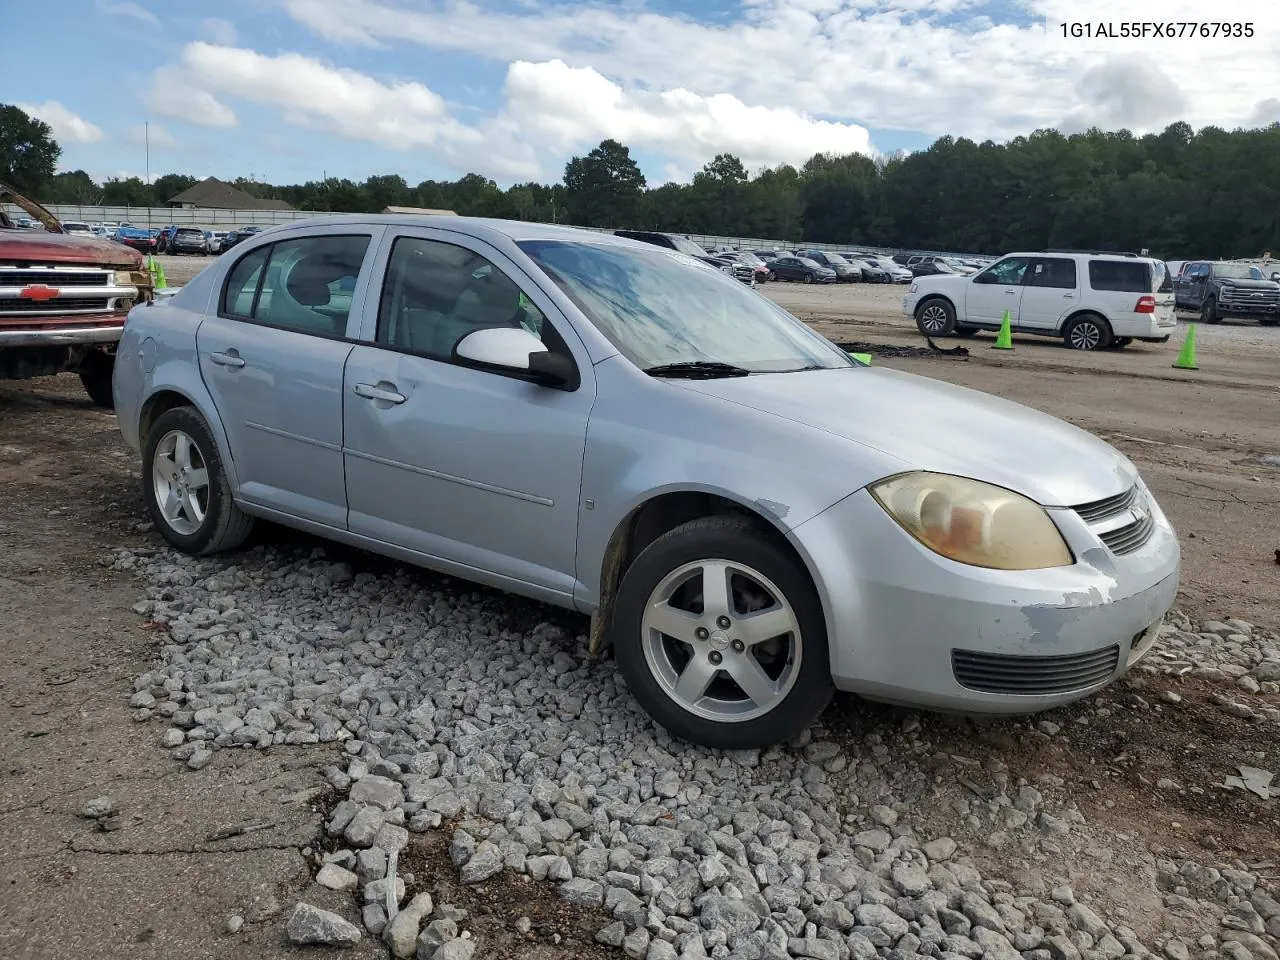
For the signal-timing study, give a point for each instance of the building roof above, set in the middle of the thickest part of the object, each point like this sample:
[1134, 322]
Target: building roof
[212, 192]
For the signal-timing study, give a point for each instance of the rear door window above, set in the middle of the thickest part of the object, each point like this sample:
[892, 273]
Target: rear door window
[1058, 272]
[1121, 276]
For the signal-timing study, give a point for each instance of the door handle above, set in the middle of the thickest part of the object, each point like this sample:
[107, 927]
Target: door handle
[372, 392]
[1068, 296]
[228, 359]
[1011, 293]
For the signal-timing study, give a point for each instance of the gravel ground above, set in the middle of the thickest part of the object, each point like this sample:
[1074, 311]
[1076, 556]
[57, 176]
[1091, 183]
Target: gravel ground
[461, 712]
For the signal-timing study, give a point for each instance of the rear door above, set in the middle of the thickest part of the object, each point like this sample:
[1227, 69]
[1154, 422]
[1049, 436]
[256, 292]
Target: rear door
[1050, 290]
[272, 356]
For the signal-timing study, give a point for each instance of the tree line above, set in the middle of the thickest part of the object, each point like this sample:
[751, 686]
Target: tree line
[1180, 193]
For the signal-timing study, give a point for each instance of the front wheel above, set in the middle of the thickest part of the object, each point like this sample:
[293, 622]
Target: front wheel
[1209, 311]
[936, 318]
[95, 377]
[720, 637]
[185, 486]
[808, 278]
[1088, 332]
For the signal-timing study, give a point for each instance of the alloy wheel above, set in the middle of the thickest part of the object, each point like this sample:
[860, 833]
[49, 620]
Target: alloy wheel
[934, 318]
[180, 481]
[721, 640]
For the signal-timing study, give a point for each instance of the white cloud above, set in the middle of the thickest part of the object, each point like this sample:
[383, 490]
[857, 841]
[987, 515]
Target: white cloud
[125, 8]
[576, 107]
[217, 30]
[172, 95]
[932, 66]
[67, 127]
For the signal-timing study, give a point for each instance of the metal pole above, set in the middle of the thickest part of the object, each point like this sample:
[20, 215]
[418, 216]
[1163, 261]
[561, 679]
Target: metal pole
[146, 133]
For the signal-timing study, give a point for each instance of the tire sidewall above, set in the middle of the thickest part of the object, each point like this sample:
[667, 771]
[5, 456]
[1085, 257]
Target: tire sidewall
[1104, 332]
[193, 425]
[1209, 311]
[948, 310]
[743, 544]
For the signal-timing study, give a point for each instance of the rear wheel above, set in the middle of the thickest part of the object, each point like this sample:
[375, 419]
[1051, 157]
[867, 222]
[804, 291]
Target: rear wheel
[1209, 311]
[1088, 332]
[936, 317]
[720, 636]
[185, 486]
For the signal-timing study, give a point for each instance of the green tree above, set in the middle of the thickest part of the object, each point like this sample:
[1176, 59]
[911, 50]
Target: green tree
[74, 187]
[28, 152]
[603, 189]
[169, 186]
[129, 192]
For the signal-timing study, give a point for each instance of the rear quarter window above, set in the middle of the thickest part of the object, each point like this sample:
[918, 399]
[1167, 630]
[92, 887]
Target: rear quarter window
[1121, 276]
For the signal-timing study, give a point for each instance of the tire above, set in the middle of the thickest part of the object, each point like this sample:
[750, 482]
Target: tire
[936, 317]
[1269, 321]
[966, 331]
[722, 714]
[1209, 311]
[1088, 332]
[215, 523]
[808, 278]
[95, 377]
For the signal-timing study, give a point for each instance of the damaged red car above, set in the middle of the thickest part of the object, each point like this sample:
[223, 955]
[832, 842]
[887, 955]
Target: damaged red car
[63, 299]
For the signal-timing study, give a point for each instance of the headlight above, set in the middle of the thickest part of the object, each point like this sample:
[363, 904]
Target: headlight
[973, 522]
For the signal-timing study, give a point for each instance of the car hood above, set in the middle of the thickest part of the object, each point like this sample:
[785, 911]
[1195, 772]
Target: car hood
[931, 425]
[1249, 284]
[38, 246]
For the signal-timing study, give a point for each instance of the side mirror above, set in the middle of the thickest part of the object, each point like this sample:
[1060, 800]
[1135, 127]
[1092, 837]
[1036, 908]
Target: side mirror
[515, 351]
[1276, 276]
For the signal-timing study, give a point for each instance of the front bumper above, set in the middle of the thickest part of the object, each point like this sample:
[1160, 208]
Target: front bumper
[74, 331]
[908, 626]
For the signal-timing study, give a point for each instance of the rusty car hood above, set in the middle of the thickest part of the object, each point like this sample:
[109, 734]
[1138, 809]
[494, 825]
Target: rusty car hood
[35, 246]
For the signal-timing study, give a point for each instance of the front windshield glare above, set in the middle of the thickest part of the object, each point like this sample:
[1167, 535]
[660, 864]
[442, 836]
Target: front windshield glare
[661, 307]
[1237, 271]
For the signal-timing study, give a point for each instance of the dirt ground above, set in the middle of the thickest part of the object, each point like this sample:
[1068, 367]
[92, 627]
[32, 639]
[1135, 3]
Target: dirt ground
[161, 887]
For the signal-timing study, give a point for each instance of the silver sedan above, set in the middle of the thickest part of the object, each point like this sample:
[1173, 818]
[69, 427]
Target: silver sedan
[752, 518]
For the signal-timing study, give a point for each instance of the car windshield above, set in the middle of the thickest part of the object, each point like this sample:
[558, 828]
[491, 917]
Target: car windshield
[1237, 271]
[750, 258]
[661, 308]
[810, 263]
[685, 245]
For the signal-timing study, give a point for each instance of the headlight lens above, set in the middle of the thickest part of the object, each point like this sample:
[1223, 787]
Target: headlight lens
[973, 522]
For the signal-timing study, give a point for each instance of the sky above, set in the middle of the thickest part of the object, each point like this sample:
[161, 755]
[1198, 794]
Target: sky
[292, 90]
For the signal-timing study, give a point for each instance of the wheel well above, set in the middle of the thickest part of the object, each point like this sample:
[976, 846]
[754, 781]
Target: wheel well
[649, 521]
[156, 405]
[1083, 313]
[929, 298]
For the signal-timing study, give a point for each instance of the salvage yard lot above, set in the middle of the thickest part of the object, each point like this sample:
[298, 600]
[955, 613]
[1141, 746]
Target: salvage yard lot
[1115, 797]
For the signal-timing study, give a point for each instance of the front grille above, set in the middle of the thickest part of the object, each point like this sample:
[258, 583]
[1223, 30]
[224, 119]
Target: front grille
[58, 305]
[1268, 300]
[1107, 508]
[25, 277]
[1033, 676]
[1131, 537]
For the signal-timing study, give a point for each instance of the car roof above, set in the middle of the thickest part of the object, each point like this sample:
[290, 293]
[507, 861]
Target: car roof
[482, 228]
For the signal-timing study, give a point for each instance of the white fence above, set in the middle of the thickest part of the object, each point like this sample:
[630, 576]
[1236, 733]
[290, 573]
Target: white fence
[207, 218]
[203, 217]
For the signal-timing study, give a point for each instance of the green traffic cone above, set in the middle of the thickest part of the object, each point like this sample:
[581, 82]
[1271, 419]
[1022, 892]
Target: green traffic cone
[1004, 340]
[1187, 355]
[161, 280]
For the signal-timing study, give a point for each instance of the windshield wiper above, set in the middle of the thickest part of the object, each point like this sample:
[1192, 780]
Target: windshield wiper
[697, 370]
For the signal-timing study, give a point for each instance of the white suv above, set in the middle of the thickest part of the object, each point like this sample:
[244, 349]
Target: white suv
[1091, 300]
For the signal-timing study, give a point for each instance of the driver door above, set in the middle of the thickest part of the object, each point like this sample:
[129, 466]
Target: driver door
[995, 290]
[471, 468]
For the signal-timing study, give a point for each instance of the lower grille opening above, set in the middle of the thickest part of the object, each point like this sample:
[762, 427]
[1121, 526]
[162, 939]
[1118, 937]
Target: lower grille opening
[1033, 676]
